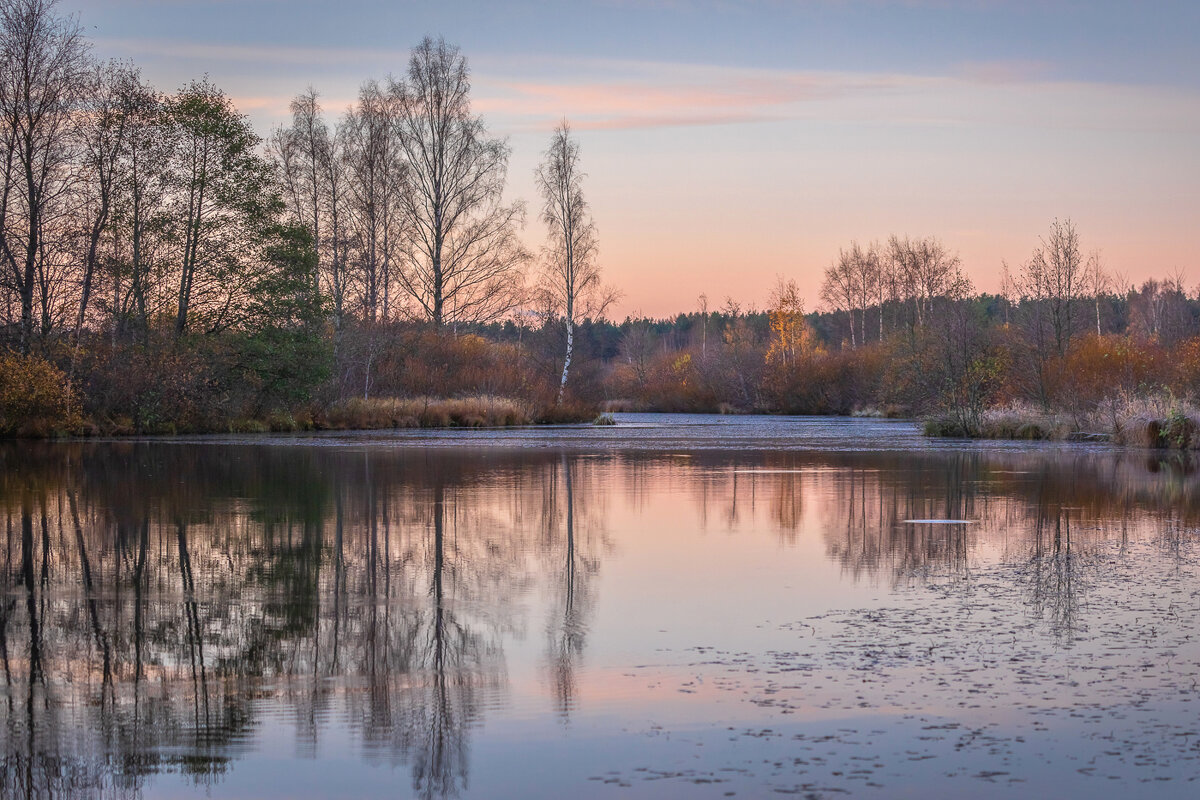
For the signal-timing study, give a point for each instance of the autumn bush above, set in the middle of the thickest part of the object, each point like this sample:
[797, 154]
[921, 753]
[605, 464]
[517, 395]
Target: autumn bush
[1098, 367]
[35, 398]
[419, 362]
[1185, 366]
[159, 386]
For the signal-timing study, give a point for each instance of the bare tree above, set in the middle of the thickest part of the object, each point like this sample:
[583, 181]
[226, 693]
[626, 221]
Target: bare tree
[1098, 283]
[569, 258]
[312, 173]
[1008, 290]
[376, 172]
[302, 152]
[465, 261]
[1052, 284]
[43, 64]
[1054, 279]
[839, 289]
[114, 97]
[926, 272]
[867, 277]
[136, 255]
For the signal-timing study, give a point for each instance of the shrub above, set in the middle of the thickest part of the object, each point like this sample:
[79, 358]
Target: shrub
[35, 399]
[945, 426]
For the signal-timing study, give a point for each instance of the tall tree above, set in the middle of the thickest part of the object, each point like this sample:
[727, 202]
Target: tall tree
[790, 333]
[840, 288]
[925, 271]
[138, 252]
[114, 100]
[569, 258]
[43, 71]
[223, 195]
[466, 260]
[376, 171]
[301, 153]
[1053, 285]
[1055, 279]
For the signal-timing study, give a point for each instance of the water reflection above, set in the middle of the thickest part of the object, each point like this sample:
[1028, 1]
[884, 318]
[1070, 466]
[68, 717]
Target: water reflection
[164, 604]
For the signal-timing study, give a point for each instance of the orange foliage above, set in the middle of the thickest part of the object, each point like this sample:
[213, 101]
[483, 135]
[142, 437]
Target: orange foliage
[1099, 367]
[35, 399]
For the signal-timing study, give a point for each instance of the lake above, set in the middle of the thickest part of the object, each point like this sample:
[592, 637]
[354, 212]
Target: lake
[677, 606]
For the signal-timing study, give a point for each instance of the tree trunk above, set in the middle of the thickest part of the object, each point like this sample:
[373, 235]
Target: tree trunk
[562, 386]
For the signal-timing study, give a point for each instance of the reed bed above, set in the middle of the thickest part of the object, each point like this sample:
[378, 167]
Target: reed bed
[1152, 421]
[482, 411]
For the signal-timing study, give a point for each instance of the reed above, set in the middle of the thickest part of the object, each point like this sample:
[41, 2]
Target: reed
[482, 411]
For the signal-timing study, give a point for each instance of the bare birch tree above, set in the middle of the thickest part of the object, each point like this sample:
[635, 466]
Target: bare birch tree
[465, 259]
[569, 257]
[927, 271]
[1052, 284]
[839, 290]
[136, 256]
[1098, 283]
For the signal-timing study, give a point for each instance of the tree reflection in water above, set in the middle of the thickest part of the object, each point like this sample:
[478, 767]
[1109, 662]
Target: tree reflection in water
[158, 594]
[570, 547]
[164, 602]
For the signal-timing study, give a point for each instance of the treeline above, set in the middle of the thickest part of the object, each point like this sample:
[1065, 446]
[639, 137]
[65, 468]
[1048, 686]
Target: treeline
[1065, 345]
[162, 267]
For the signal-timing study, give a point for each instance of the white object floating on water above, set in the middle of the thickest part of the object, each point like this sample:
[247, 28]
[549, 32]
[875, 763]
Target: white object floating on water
[769, 471]
[941, 521]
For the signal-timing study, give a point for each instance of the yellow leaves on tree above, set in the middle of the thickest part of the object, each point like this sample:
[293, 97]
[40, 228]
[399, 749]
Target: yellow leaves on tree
[791, 336]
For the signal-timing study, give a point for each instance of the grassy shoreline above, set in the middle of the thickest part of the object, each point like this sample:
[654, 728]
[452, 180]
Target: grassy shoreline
[353, 414]
[1152, 422]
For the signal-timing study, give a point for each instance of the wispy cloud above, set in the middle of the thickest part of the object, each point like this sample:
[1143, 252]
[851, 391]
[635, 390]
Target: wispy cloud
[643, 94]
[280, 55]
[1009, 71]
[630, 94]
[614, 94]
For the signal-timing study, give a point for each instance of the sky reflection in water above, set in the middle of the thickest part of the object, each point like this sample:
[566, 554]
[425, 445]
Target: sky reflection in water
[379, 615]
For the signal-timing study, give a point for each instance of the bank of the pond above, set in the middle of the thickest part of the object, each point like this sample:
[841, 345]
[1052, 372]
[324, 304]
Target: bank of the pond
[353, 414]
[1145, 422]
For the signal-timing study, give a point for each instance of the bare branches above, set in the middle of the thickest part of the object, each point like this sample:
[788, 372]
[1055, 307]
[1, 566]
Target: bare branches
[375, 173]
[43, 64]
[461, 236]
[1053, 279]
[572, 274]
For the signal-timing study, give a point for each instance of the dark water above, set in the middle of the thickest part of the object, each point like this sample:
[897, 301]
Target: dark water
[675, 607]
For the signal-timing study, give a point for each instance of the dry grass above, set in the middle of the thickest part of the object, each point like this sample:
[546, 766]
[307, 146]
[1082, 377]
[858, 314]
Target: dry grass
[1024, 421]
[623, 406]
[1149, 420]
[426, 412]
[1153, 420]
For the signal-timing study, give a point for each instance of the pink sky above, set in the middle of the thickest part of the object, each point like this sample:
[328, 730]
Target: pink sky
[728, 144]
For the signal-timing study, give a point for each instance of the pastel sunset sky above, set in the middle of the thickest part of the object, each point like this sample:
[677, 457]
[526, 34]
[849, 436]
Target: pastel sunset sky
[728, 143]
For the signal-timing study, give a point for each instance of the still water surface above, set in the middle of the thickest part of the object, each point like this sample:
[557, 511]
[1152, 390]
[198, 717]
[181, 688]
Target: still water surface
[674, 607]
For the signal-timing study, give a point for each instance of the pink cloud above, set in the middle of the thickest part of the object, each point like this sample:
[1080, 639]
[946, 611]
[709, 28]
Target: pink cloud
[663, 95]
[1005, 71]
